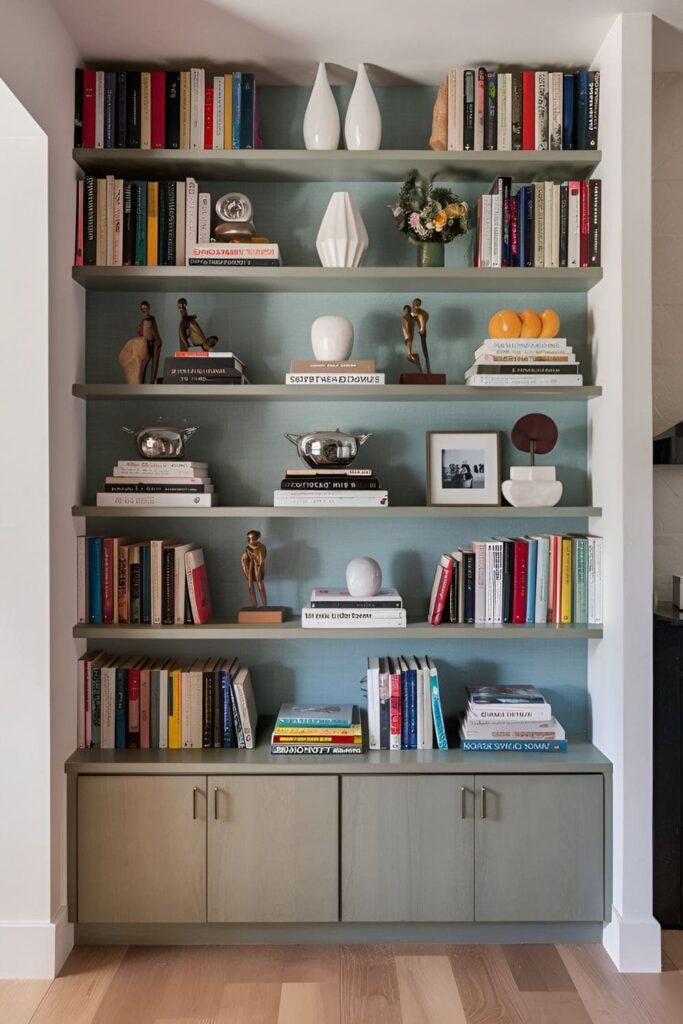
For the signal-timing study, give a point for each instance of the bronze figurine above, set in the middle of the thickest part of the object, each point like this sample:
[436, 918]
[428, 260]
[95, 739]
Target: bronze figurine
[416, 315]
[254, 567]
[137, 352]
[408, 325]
[190, 333]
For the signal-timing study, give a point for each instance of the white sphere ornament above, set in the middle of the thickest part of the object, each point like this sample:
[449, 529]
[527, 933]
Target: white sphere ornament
[363, 577]
[332, 338]
[322, 127]
[342, 239]
[363, 123]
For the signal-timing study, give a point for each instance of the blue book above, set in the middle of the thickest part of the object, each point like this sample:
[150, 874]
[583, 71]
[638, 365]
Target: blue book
[247, 111]
[121, 109]
[437, 710]
[581, 109]
[145, 586]
[109, 109]
[532, 555]
[226, 708]
[528, 226]
[405, 706]
[568, 112]
[96, 706]
[516, 746]
[521, 227]
[236, 108]
[409, 719]
[95, 580]
[120, 708]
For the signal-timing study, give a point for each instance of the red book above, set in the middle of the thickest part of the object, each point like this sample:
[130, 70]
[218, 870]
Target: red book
[198, 586]
[584, 224]
[158, 136]
[442, 584]
[208, 117]
[89, 81]
[519, 581]
[80, 190]
[528, 110]
[145, 698]
[133, 729]
[107, 579]
[395, 712]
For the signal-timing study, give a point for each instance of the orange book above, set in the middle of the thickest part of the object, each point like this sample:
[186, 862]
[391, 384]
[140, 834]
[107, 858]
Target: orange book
[152, 223]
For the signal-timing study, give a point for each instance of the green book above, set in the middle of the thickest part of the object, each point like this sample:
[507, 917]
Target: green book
[580, 580]
[140, 216]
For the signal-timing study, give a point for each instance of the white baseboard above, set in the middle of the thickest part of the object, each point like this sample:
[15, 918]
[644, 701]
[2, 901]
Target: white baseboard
[35, 949]
[634, 945]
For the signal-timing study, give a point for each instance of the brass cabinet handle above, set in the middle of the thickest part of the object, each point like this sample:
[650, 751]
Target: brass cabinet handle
[194, 803]
[463, 802]
[215, 803]
[483, 801]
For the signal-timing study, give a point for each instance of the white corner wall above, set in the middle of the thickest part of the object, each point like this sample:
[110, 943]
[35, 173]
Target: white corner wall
[620, 433]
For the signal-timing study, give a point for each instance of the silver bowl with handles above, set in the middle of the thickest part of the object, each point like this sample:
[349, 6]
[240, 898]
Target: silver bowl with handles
[333, 448]
[161, 442]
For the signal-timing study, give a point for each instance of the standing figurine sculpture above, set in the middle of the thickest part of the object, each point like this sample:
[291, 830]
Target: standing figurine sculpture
[190, 334]
[145, 347]
[414, 315]
[253, 562]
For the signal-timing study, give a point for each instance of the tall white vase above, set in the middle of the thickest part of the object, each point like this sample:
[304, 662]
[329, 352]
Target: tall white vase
[321, 120]
[342, 239]
[363, 124]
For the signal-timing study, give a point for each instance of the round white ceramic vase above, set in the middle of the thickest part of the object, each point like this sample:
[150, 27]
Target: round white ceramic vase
[363, 124]
[332, 338]
[363, 577]
[321, 120]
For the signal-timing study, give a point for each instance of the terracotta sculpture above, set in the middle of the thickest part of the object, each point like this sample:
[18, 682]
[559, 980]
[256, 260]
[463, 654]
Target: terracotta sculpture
[254, 567]
[137, 352]
[190, 333]
[439, 137]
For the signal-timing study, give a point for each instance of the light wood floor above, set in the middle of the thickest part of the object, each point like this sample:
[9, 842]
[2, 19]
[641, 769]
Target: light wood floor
[349, 985]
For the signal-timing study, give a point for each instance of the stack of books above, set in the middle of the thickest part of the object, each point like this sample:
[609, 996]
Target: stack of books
[404, 704]
[348, 371]
[159, 703]
[324, 488]
[148, 582]
[524, 362]
[317, 729]
[534, 579]
[158, 482]
[508, 110]
[234, 254]
[510, 718]
[198, 367]
[338, 609]
[541, 225]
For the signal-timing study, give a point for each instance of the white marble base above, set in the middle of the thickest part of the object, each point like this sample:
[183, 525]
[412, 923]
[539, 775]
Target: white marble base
[532, 486]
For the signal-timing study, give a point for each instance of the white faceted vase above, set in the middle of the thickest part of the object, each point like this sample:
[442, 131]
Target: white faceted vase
[532, 487]
[332, 338]
[363, 124]
[321, 120]
[342, 239]
[363, 577]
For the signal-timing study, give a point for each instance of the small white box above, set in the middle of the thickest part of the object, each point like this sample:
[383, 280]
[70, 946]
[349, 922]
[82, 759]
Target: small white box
[677, 593]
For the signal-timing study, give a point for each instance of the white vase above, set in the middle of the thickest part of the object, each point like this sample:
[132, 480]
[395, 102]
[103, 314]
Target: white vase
[321, 120]
[342, 239]
[363, 577]
[332, 338]
[532, 487]
[363, 124]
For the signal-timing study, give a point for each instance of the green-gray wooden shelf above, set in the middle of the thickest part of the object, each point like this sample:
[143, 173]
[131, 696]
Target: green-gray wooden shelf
[223, 629]
[333, 279]
[323, 392]
[336, 165]
[335, 512]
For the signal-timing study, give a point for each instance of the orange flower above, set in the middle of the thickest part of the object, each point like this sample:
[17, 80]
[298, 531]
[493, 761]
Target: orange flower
[455, 210]
[440, 220]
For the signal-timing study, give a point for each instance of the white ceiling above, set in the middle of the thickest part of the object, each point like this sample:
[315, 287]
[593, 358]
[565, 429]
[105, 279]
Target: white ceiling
[415, 41]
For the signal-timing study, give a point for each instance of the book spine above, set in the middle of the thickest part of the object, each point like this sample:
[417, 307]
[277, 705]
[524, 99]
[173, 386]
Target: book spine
[580, 581]
[108, 579]
[595, 222]
[593, 109]
[184, 112]
[566, 580]
[121, 109]
[135, 590]
[172, 110]
[191, 211]
[196, 108]
[225, 709]
[128, 245]
[207, 709]
[101, 222]
[203, 217]
[584, 216]
[95, 706]
[236, 108]
[140, 207]
[89, 220]
[539, 223]
[491, 111]
[99, 109]
[573, 224]
[568, 111]
[412, 710]
[208, 117]
[541, 126]
[133, 717]
[516, 110]
[564, 225]
[541, 596]
[158, 99]
[169, 237]
[581, 109]
[532, 554]
[120, 708]
[95, 613]
[117, 224]
[479, 108]
[167, 586]
[133, 109]
[247, 111]
[528, 110]
[88, 110]
[442, 582]
[82, 579]
[145, 587]
[308, 748]
[145, 110]
[504, 112]
[555, 110]
[218, 140]
[516, 746]
[468, 109]
[109, 109]
[152, 223]
[145, 708]
[80, 203]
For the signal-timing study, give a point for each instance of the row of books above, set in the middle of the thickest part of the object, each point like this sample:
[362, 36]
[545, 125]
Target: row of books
[514, 719]
[338, 609]
[159, 703]
[512, 110]
[525, 362]
[347, 371]
[330, 488]
[404, 704]
[166, 110]
[535, 579]
[541, 225]
[146, 582]
[317, 729]
[148, 483]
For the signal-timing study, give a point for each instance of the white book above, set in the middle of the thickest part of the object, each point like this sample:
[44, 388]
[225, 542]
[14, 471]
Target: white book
[99, 109]
[180, 582]
[451, 106]
[196, 687]
[525, 380]
[541, 127]
[334, 378]
[218, 111]
[494, 581]
[197, 90]
[595, 580]
[479, 548]
[548, 224]
[145, 110]
[108, 707]
[159, 467]
[125, 479]
[508, 713]
[246, 706]
[523, 346]
[105, 499]
[185, 708]
[324, 499]
[555, 89]
[425, 731]
[373, 703]
[81, 579]
[555, 228]
[501, 730]
[110, 219]
[339, 596]
[204, 217]
[191, 211]
[496, 229]
[504, 127]
[117, 224]
[541, 593]
[163, 709]
[180, 223]
[485, 255]
[361, 618]
[539, 223]
[573, 224]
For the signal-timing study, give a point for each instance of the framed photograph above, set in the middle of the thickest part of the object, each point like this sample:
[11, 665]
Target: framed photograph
[463, 468]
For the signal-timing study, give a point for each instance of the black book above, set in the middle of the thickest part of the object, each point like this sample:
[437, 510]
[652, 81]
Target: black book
[199, 261]
[167, 586]
[491, 111]
[172, 110]
[162, 249]
[90, 221]
[155, 488]
[453, 595]
[364, 483]
[564, 223]
[468, 109]
[468, 569]
[207, 708]
[508, 570]
[121, 101]
[188, 609]
[516, 109]
[128, 252]
[530, 368]
[133, 109]
[170, 233]
[595, 221]
[384, 705]
[109, 108]
[200, 364]
[592, 113]
[503, 187]
[217, 738]
[581, 109]
[223, 377]
[135, 591]
[78, 109]
[529, 212]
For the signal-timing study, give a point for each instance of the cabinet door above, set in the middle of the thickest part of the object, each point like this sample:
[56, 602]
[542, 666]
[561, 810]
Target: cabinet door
[273, 848]
[141, 849]
[539, 848]
[407, 844]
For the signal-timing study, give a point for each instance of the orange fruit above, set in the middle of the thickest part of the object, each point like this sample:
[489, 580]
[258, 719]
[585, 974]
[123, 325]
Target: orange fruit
[505, 324]
[551, 324]
[531, 324]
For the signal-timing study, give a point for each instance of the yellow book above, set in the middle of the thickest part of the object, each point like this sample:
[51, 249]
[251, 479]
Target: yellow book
[350, 741]
[566, 594]
[174, 737]
[227, 106]
[152, 223]
[336, 730]
[145, 110]
[184, 109]
[101, 224]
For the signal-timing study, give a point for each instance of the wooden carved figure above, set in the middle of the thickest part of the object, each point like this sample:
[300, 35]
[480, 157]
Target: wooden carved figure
[254, 567]
[190, 333]
[137, 352]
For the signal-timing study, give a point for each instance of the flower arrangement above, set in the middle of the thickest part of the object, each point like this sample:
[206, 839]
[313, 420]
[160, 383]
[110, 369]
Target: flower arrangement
[429, 213]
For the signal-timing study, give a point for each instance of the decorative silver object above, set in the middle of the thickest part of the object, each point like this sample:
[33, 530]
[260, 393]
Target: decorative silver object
[160, 442]
[328, 447]
[236, 212]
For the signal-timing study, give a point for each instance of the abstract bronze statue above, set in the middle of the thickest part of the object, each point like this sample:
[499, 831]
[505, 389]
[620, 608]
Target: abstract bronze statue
[254, 567]
[408, 326]
[137, 352]
[190, 333]
[416, 315]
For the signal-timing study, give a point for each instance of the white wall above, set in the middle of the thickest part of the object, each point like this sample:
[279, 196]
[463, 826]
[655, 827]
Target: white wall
[37, 58]
[620, 665]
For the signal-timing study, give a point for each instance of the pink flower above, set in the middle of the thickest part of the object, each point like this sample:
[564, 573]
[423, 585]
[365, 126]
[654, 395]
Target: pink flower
[414, 221]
